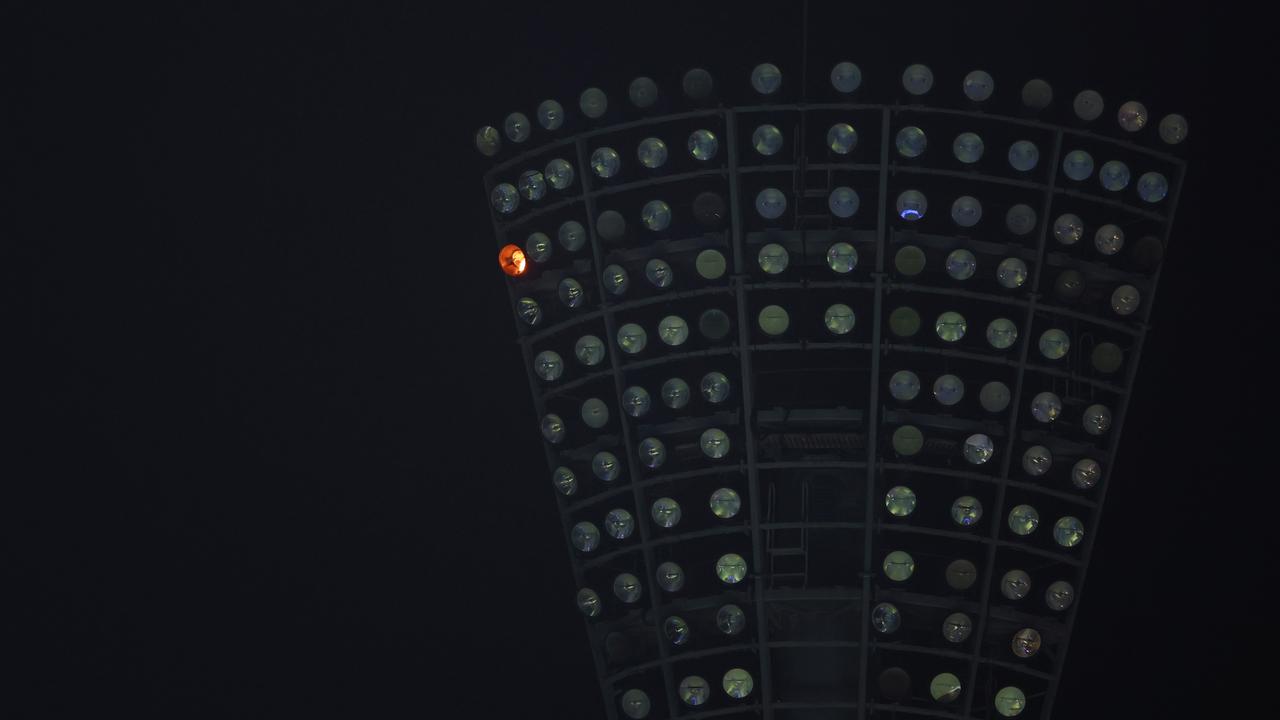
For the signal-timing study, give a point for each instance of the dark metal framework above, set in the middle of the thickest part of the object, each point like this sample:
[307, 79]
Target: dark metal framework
[977, 661]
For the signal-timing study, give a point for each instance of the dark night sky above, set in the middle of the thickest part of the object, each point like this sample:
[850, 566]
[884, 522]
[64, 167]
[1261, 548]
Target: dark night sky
[282, 459]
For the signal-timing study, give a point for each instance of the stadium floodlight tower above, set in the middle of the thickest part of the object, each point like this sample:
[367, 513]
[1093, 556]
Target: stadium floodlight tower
[831, 391]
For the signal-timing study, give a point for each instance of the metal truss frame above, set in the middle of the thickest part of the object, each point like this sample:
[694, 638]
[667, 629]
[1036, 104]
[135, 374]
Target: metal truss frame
[740, 287]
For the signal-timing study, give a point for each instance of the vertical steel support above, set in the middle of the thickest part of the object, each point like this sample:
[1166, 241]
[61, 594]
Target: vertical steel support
[540, 409]
[1095, 515]
[758, 570]
[872, 417]
[630, 448]
[987, 571]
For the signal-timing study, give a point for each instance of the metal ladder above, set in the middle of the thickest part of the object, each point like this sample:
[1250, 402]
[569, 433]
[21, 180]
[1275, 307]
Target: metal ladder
[788, 549]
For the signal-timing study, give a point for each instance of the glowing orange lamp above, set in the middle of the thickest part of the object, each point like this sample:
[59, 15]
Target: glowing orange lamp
[511, 259]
